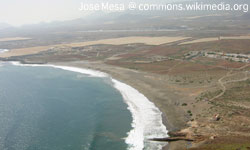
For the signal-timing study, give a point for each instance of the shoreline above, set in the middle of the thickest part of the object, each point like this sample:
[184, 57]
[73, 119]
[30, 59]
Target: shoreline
[164, 97]
[3, 51]
[148, 121]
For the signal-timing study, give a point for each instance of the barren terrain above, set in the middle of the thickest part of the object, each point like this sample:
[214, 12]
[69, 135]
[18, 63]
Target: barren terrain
[205, 101]
[114, 41]
[14, 39]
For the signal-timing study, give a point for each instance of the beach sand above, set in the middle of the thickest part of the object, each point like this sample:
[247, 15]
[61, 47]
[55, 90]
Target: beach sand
[154, 87]
[147, 118]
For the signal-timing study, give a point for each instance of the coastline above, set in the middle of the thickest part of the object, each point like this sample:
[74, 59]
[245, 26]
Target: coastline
[148, 121]
[164, 97]
[154, 87]
[3, 51]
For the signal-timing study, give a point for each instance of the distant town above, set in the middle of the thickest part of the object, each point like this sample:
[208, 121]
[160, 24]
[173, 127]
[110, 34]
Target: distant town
[219, 55]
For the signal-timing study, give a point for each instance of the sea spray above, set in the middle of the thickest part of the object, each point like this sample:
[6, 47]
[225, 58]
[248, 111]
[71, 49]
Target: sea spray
[3, 50]
[147, 118]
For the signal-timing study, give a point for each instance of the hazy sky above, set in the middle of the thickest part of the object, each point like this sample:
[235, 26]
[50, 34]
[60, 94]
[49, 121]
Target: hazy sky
[18, 12]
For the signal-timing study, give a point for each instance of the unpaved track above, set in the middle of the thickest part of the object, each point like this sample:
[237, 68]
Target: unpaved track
[222, 84]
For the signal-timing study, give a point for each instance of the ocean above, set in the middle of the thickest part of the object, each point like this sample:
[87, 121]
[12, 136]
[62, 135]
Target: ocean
[65, 108]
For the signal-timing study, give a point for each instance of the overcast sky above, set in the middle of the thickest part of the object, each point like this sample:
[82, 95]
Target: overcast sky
[19, 12]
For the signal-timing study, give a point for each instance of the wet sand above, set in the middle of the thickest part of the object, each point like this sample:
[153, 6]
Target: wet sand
[154, 87]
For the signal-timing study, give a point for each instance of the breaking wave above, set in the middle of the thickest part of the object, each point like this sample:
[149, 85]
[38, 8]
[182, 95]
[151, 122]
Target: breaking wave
[147, 118]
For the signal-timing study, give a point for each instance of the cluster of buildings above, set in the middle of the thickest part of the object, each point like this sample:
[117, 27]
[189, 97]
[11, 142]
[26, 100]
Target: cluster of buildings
[219, 55]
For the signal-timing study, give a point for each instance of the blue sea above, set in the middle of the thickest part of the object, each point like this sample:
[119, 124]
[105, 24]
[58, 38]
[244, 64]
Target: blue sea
[53, 108]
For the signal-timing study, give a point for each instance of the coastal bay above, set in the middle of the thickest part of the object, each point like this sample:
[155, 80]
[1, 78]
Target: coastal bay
[147, 119]
[50, 108]
[152, 87]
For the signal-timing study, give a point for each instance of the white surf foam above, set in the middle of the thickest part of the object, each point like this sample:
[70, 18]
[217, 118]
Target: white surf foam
[73, 69]
[3, 50]
[147, 119]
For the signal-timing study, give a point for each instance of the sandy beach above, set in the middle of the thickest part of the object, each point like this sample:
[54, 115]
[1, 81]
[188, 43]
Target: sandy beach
[147, 118]
[177, 75]
[154, 87]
